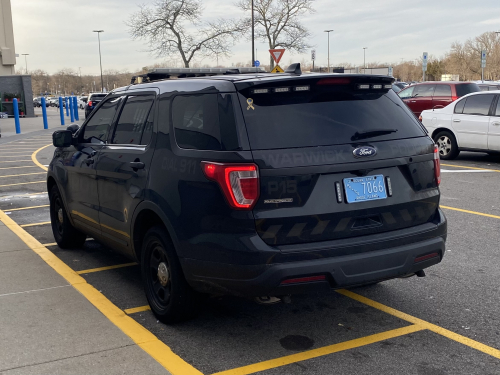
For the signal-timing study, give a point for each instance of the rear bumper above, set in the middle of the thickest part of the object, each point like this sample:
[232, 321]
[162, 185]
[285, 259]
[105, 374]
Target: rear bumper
[339, 271]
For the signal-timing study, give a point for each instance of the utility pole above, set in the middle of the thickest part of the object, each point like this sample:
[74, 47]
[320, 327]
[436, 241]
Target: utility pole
[26, 61]
[253, 38]
[100, 59]
[364, 59]
[329, 31]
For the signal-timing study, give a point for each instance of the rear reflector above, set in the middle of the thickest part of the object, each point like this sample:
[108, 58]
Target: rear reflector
[304, 279]
[437, 165]
[425, 257]
[239, 182]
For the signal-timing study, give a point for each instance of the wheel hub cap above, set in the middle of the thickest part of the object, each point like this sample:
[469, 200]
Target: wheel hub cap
[163, 274]
[60, 216]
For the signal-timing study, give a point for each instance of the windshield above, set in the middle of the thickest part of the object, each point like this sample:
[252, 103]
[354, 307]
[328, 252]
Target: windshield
[319, 118]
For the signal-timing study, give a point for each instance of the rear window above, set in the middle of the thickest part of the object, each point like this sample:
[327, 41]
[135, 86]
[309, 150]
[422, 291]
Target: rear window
[466, 88]
[98, 96]
[326, 115]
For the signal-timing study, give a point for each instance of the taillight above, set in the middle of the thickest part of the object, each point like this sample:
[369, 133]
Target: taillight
[334, 81]
[90, 103]
[239, 182]
[420, 118]
[453, 98]
[437, 165]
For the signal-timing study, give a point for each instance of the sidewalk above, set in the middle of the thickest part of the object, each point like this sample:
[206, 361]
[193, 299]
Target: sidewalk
[48, 327]
[32, 124]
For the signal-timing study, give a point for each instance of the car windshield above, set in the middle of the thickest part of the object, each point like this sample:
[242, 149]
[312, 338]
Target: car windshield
[321, 117]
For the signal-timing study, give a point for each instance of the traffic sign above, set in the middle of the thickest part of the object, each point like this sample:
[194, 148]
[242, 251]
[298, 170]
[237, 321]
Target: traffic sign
[257, 63]
[277, 69]
[390, 71]
[313, 54]
[424, 61]
[483, 59]
[277, 54]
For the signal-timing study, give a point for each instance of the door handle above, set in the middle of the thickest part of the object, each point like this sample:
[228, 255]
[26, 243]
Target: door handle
[496, 123]
[413, 101]
[456, 120]
[136, 165]
[89, 161]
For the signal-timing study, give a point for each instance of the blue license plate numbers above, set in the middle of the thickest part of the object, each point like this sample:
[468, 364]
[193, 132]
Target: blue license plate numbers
[362, 189]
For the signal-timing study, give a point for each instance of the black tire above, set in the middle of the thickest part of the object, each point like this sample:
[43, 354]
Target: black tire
[447, 145]
[171, 298]
[66, 236]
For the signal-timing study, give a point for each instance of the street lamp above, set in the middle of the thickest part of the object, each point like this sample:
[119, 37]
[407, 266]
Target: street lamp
[26, 61]
[328, 31]
[100, 59]
[364, 59]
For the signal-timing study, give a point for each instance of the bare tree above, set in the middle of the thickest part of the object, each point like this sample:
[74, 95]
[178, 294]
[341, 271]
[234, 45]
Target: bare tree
[278, 23]
[175, 27]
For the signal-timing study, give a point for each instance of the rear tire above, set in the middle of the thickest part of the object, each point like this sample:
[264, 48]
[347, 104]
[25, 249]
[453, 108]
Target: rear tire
[65, 234]
[447, 145]
[171, 298]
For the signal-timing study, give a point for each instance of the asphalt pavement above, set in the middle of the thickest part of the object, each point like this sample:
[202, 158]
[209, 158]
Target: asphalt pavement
[444, 323]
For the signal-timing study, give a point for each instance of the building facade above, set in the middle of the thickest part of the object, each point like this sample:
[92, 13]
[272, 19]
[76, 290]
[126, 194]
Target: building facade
[7, 48]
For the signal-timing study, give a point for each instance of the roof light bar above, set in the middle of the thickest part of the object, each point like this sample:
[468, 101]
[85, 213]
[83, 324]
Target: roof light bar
[301, 88]
[387, 87]
[363, 87]
[376, 87]
[260, 91]
[282, 89]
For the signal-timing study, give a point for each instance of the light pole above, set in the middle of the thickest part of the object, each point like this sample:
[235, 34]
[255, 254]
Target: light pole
[253, 39]
[328, 31]
[364, 59]
[26, 61]
[100, 59]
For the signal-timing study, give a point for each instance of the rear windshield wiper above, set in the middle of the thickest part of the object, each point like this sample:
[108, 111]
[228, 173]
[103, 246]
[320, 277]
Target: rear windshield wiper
[372, 133]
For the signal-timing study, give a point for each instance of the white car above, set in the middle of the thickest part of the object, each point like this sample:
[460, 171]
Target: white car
[469, 124]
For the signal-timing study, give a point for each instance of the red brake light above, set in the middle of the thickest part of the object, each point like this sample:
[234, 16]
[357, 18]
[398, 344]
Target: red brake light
[90, 103]
[304, 279]
[453, 98]
[334, 81]
[437, 165]
[239, 182]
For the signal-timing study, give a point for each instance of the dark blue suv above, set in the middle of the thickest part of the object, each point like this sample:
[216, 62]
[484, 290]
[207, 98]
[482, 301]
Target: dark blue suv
[252, 184]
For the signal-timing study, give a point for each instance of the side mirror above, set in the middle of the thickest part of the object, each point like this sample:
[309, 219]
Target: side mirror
[62, 138]
[73, 128]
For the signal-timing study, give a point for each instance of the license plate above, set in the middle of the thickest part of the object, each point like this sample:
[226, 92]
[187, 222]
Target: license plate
[362, 189]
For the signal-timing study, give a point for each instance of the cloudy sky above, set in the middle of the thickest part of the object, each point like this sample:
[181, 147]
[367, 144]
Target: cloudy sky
[58, 34]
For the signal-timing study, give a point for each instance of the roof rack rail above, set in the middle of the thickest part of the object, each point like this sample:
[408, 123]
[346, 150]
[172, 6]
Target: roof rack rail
[175, 73]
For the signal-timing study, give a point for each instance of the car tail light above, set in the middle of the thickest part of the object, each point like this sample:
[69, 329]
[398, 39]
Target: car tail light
[425, 257]
[420, 118]
[304, 279]
[90, 103]
[437, 165]
[239, 182]
[334, 81]
[453, 98]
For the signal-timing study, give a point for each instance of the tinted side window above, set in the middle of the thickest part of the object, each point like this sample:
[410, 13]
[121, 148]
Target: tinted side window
[497, 113]
[442, 90]
[423, 91]
[466, 88]
[196, 122]
[406, 93]
[478, 105]
[459, 107]
[132, 120]
[98, 126]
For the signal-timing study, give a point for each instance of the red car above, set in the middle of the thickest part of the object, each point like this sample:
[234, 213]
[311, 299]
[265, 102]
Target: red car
[429, 95]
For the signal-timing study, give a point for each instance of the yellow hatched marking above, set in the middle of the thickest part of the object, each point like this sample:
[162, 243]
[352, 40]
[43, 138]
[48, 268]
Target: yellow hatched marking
[26, 208]
[470, 212]
[106, 268]
[315, 353]
[140, 335]
[137, 309]
[34, 224]
[24, 183]
[422, 323]
[24, 174]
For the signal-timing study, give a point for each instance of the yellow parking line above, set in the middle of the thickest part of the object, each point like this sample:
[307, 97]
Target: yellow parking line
[106, 268]
[140, 335]
[24, 183]
[26, 166]
[422, 323]
[294, 358]
[13, 156]
[24, 195]
[23, 174]
[49, 244]
[464, 166]
[34, 159]
[35, 224]
[26, 208]
[470, 212]
[137, 309]
[13, 161]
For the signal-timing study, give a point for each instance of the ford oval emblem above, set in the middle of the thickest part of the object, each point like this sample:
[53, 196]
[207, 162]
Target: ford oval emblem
[364, 151]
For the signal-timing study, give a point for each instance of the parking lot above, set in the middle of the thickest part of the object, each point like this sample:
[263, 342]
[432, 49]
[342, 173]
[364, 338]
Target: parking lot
[445, 323]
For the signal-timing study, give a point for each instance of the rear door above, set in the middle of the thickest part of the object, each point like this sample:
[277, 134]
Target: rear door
[123, 165]
[471, 126]
[336, 161]
[442, 96]
[494, 128]
[422, 98]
